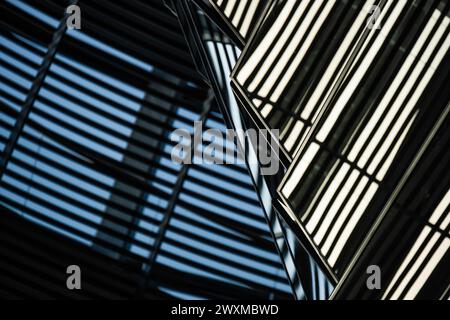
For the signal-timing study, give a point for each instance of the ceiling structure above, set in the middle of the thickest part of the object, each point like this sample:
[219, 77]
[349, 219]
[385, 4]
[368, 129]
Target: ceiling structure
[358, 93]
[357, 90]
[86, 122]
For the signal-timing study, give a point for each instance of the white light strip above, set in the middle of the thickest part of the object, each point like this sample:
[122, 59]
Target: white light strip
[408, 259]
[409, 107]
[440, 209]
[442, 31]
[346, 211]
[300, 169]
[361, 71]
[413, 270]
[326, 198]
[238, 15]
[371, 125]
[289, 144]
[387, 163]
[331, 69]
[392, 89]
[426, 32]
[343, 237]
[428, 270]
[266, 110]
[390, 117]
[212, 48]
[257, 103]
[333, 211]
[310, 106]
[256, 56]
[437, 214]
[372, 34]
[299, 56]
[321, 189]
[248, 17]
[445, 223]
[320, 88]
[229, 7]
[275, 52]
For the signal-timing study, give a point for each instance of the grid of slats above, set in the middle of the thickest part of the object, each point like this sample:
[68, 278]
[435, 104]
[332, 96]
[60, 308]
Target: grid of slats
[93, 159]
[412, 245]
[365, 122]
[355, 101]
[293, 61]
[82, 118]
[294, 67]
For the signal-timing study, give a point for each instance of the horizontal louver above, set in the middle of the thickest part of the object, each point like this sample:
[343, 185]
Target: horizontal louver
[412, 244]
[92, 161]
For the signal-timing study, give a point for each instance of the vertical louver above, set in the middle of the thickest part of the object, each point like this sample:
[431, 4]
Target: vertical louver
[390, 87]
